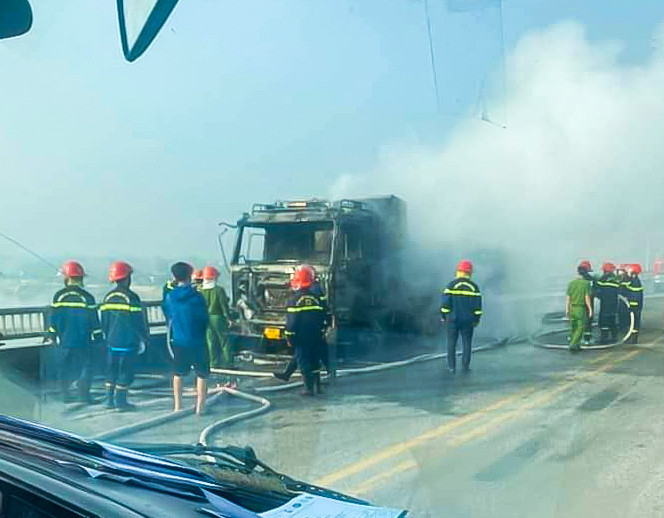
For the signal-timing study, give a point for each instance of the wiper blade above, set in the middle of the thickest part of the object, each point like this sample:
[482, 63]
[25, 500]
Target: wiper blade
[243, 458]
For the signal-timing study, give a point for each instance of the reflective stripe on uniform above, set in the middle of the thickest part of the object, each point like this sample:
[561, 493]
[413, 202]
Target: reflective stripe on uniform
[81, 305]
[632, 288]
[462, 292]
[120, 307]
[608, 284]
[304, 308]
[633, 303]
[445, 310]
[478, 312]
[51, 329]
[289, 333]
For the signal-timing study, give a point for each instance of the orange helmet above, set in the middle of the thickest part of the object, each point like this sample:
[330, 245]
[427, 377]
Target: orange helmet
[301, 279]
[465, 266]
[119, 270]
[608, 267]
[210, 273]
[586, 265]
[636, 268]
[197, 275]
[72, 269]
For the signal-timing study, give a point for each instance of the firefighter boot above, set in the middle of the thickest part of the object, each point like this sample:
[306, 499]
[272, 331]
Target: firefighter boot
[109, 401]
[121, 400]
[308, 384]
[318, 387]
[604, 337]
[84, 392]
[66, 394]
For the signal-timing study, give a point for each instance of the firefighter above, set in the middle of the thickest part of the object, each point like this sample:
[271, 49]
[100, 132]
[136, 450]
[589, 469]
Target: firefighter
[624, 313]
[126, 332]
[578, 307]
[187, 316]
[74, 324]
[318, 291]
[634, 290]
[588, 326]
[461, 309]
[197, 278]
[607, 293]
[305, 323]
[218, 342]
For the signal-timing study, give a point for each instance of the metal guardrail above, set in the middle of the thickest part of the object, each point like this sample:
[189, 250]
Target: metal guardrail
[30, 322]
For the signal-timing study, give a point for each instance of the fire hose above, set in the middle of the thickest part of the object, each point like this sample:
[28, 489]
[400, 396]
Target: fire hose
[207, 433]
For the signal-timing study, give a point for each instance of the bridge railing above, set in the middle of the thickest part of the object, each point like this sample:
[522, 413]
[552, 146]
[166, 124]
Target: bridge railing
[31, 322]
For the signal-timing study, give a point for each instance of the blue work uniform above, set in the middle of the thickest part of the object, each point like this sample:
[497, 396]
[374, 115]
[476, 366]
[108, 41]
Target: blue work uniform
[74, 323]
[608, 287]
[461, 309]
[124, 324]
[306, 317]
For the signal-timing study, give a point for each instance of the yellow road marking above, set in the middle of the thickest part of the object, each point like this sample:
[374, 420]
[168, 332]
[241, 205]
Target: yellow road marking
[403, 447]
[485, 428]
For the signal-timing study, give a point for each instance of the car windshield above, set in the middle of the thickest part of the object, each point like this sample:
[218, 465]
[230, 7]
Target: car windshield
[286, 243]
[401, 252]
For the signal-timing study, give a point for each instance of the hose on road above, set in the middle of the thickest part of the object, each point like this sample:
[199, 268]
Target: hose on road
[264, 404]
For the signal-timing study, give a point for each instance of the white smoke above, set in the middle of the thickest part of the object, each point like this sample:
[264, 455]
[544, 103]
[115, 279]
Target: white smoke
[578, 171]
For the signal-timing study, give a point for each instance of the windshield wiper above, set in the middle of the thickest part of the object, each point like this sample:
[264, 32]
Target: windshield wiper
[235, 457]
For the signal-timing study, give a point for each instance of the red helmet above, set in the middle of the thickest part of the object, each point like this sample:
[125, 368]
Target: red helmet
[210, 273]
[586, 264]
[636, 268]
[301, 279]
[608, 267]
[465, 266]
[310, 269]
[119, 270]
[197, 275]
[73, 269]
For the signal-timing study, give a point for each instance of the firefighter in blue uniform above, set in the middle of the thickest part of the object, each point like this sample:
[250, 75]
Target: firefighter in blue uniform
[461, 309]
[608, 286]
[634, 291]
[623, 294]
[318, 291]
[126, 332]
[305, 325]
[74, 324]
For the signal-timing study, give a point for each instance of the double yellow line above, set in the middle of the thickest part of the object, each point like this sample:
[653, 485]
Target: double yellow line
[543, 397]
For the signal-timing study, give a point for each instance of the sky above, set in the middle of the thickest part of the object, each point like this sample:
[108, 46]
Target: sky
[241, 102]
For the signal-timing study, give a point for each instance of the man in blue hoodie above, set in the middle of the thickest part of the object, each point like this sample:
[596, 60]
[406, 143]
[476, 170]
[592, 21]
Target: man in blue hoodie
[187, 316]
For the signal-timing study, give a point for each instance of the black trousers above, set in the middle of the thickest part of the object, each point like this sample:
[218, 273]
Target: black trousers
[120, 369]
[607, 321]
[465, 330]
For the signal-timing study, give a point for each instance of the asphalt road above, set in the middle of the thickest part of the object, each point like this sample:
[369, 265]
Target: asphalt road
[530, 432]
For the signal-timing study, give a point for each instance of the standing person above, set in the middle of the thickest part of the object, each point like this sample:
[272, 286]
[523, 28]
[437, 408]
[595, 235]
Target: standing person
[588, 326]
[187, 317]
[197, 278]
[624, 312]
[74, 324]
[607, 293]
[635, 296]
[461, 309]
[318, 291]
[125, 328]
[217, 302]
[305, 320]
[578, 307]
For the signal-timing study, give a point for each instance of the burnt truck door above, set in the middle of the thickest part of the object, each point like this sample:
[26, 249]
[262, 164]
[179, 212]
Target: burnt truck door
[354, 274]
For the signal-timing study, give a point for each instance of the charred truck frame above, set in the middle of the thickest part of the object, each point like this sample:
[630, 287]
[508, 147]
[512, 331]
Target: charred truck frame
[355, 246]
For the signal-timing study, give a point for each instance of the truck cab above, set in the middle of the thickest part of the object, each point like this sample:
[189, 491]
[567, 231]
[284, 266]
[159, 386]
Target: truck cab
[353, 245]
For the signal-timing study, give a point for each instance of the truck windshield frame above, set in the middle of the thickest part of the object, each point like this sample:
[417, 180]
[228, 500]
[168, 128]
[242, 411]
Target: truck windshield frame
[283, 242]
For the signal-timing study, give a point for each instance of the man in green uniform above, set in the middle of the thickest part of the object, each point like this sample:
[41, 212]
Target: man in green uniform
[578, 308]
[217, 333]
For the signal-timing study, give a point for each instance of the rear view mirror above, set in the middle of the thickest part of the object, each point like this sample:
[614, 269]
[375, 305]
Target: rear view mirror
[140, 22]
[15, 18]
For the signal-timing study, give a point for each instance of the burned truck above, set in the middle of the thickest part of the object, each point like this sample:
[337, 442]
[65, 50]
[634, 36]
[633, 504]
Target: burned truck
[355, 246]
